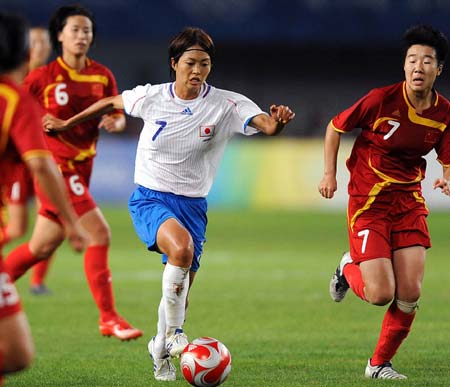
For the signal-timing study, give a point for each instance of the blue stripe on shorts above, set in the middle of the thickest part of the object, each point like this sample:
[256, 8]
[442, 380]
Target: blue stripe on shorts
[149, 209]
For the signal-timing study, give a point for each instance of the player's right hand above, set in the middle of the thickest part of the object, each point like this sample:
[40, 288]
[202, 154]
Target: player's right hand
[328, 186]
[52, 124]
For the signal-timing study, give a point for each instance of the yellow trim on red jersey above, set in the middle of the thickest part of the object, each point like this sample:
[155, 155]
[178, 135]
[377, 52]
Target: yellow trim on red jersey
[12, 99]
[418, 198]
[336, 129]
[382, 119]
[395, 181]
[41, 153]
[376, 189]
[83, 154]
[47, 91]
[75, 76]
[414, 117]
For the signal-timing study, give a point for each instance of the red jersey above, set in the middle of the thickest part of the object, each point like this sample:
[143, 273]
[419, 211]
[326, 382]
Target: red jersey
[21, 135]
[63, 92]
[388, 153]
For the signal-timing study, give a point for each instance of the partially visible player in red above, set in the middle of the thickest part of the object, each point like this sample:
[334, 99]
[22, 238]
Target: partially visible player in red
[22, 141]
[387, 214]
[17, 194]
[65, 87]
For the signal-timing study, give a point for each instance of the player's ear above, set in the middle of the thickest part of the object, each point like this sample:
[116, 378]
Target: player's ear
[173, 64]
[440, 68]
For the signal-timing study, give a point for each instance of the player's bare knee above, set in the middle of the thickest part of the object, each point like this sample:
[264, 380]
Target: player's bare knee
[380, 297]
[100, 236]
[182, 255]
[44, 250]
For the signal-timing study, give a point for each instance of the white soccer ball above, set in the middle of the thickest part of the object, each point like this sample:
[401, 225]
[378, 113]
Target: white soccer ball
[205, 362]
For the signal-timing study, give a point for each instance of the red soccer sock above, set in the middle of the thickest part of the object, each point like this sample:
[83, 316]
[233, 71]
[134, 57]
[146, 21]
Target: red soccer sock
[352, 274]
[395, 328]
[99, 279]
[39, 272]
[19, 261]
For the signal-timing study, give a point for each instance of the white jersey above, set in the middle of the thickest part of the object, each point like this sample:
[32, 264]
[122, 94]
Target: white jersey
[182, 141]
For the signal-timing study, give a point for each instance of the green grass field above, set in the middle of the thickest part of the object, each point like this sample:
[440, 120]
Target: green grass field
[262, 290]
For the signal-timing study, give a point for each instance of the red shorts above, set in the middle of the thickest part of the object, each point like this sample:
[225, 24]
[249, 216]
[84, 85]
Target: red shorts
[20, 190]
[381, 224]
[9, 298]
[76, 176]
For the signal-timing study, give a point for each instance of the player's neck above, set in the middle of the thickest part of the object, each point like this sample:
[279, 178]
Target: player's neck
[421, 100]
[74, 61]
[185, 92]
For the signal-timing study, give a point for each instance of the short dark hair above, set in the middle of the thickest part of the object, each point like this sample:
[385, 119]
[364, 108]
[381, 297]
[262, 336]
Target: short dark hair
[188, 37]
[14, 41]
[59, 20]
[427, 36]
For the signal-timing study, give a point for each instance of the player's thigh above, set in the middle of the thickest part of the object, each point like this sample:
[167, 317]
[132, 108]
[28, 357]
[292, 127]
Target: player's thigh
[46, 237]
[409, 267]
[379, 280]
[16, 342]
[97, 227]
[17, 219]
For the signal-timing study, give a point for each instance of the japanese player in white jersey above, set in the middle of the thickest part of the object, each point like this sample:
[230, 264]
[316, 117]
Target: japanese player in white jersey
[187, 124]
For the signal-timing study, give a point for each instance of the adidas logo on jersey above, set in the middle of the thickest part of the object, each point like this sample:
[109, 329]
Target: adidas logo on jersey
[187, 112]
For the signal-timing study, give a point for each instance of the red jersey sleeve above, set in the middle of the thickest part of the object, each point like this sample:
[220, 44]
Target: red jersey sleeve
[26, 131]
[21, 135]
[34, 83]
[360, 115]
[443, 148]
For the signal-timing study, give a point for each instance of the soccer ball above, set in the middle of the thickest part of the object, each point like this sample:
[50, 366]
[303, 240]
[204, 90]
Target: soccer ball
[205, 362]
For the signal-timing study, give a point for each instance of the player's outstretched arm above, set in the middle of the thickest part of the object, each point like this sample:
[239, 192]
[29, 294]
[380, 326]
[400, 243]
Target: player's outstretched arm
[328, 184]
[99, 108]
[272, 125]
[50, 181]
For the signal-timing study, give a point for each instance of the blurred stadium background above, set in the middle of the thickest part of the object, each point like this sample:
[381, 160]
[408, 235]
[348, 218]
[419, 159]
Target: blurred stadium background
[317, 56]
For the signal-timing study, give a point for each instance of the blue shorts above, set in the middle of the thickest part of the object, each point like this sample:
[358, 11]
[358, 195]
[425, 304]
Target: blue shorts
[149, 209]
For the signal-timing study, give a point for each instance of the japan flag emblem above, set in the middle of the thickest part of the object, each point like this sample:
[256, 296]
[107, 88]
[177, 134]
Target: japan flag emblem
[207, 131]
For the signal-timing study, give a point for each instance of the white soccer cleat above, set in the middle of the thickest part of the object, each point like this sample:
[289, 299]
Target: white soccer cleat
[382, 371]
[163, 369]
[338, 283]
[176, 343]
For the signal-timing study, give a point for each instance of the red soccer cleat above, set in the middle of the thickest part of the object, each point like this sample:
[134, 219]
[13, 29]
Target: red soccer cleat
[119, 328]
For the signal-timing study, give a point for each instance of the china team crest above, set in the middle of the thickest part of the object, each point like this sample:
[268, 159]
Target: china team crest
[207, 131]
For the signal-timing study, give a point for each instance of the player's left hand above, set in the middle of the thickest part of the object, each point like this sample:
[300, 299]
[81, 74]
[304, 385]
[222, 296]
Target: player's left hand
[443, 184]
[52, 124]
[281, 113]
[112, 123]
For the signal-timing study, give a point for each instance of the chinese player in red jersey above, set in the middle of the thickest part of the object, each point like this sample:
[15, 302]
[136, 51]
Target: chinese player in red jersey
[22, 141]
[65, 87]
[387, 224]
[18, 193]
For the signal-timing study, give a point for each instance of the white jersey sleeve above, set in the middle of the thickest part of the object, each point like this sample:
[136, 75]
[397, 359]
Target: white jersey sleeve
[242, 113]
[134, 99]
